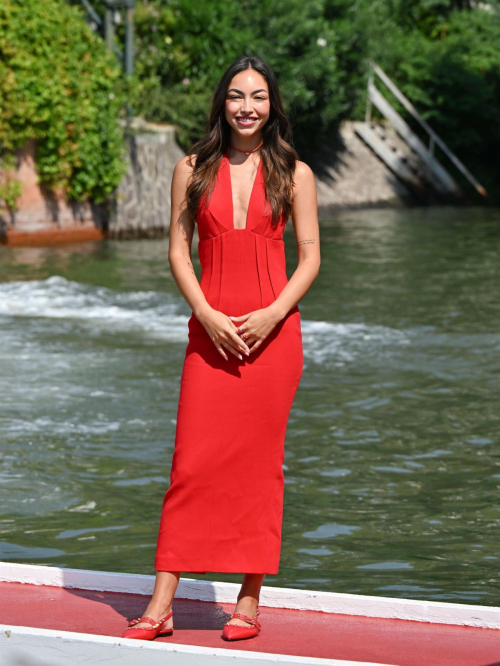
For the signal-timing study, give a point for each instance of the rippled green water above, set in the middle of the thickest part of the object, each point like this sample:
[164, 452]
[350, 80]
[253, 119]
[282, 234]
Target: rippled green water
[392, 460]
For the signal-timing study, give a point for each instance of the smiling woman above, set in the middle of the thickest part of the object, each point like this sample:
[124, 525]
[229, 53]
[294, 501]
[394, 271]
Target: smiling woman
[223, 510]
[247, 112]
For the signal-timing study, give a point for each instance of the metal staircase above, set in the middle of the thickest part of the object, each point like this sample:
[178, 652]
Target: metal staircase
[401, 149]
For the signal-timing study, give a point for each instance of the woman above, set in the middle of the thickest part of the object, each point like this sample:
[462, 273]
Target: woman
[243, 363]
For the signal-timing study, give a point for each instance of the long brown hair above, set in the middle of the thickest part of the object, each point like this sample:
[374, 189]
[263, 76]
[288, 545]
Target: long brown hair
[277, 154]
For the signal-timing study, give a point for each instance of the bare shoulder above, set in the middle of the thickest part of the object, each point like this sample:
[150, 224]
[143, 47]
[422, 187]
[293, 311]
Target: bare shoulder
[182, 171]
[303, 178]
[303, 174]
[186, 165]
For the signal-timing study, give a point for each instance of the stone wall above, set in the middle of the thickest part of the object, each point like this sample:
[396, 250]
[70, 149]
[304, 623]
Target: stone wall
[140, 208]
[43, 216]
[143, 196]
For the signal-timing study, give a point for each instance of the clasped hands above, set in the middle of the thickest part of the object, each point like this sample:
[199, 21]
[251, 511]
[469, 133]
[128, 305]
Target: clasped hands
[252, 329]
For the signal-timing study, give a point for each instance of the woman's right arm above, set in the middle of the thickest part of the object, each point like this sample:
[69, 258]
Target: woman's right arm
[181, 237]
[221, 329]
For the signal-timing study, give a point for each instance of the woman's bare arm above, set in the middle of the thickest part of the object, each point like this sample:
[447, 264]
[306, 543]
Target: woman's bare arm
[306, 228]
[221, 329]
[181, 238]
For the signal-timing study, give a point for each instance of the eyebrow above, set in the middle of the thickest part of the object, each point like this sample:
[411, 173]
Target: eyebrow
[242, 93]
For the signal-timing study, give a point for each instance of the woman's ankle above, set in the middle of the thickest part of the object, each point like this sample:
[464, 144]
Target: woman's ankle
[159, 608]
[247, 602]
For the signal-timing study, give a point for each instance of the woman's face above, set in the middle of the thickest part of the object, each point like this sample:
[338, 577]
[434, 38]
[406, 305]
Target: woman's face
[247, 103]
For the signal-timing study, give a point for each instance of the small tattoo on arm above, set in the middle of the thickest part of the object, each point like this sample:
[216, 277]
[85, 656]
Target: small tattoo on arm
[308, 241]
[191, 267]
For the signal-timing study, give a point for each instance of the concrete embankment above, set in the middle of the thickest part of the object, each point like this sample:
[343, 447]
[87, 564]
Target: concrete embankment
[350, 175]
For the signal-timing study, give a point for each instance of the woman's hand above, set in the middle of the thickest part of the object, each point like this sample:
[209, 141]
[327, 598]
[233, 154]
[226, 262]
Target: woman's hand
[222, 332]
[257, 326]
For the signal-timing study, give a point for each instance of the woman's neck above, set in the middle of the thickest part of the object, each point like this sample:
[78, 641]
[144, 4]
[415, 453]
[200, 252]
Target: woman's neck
[244, 144]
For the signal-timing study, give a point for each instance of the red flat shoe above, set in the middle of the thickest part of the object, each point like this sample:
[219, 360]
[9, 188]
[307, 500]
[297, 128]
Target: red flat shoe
[235, 632]
[148, 633]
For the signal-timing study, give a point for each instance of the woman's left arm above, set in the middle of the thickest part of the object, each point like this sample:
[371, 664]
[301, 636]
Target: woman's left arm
[306, 228]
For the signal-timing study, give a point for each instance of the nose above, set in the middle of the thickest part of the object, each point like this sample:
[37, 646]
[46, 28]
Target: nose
[246, 105]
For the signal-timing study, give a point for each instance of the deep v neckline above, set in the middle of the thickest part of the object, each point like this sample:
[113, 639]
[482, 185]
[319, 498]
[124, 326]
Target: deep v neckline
[230, 190]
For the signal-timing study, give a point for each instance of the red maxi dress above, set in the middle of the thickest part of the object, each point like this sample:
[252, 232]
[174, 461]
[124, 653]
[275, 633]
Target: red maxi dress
[223, 509]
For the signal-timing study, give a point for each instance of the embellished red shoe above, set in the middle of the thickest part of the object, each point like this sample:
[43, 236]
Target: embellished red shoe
[148, 633]
[235, 632]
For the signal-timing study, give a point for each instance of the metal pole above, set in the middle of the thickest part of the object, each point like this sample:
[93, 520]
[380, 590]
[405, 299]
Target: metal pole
[129, 47]
[109, 28]
[92, 13]
[368, 110]
[129, 39]
[126, 58]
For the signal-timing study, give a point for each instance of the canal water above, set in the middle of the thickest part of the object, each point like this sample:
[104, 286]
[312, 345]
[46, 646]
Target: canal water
[392, 460]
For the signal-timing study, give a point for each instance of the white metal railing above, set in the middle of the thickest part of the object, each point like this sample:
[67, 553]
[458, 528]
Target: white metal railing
[434, 139]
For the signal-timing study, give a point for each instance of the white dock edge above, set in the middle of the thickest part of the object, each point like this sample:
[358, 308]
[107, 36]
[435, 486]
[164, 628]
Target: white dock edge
[438, 612]
[23, 646]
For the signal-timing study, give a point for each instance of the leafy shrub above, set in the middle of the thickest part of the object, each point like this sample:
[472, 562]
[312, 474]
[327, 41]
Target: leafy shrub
[441, 53]
[447, 62]
[183, 47]
[61, 86]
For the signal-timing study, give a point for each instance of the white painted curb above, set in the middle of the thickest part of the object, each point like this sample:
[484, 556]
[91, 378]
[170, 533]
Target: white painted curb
[437, 612]
[19, 645]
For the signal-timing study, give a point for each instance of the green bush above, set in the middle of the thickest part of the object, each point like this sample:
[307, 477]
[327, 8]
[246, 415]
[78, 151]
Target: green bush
[441, 53]
[183, 47]
[447, 62]
[61, 86]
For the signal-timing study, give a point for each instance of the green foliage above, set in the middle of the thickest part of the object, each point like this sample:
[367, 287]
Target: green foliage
[60, 86]
[10, 188]
[184, 46]
[58, 83]
[448, 65]
[441, 53]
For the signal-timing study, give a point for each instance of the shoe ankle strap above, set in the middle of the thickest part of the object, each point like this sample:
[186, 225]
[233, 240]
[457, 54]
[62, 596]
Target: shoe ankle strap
[144, 618]
[247, 618]
[153, 623]
[165, 618]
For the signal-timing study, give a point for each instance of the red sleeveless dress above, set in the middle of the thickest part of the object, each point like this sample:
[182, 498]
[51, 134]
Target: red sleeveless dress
[223, 509]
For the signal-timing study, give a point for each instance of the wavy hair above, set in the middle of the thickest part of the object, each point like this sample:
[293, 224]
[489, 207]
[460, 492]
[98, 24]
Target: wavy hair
[277, 154]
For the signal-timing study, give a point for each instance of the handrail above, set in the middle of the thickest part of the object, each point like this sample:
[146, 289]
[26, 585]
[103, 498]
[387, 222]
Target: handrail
[412, 139]
[434, 138]
[106, 25]
[92, 12]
